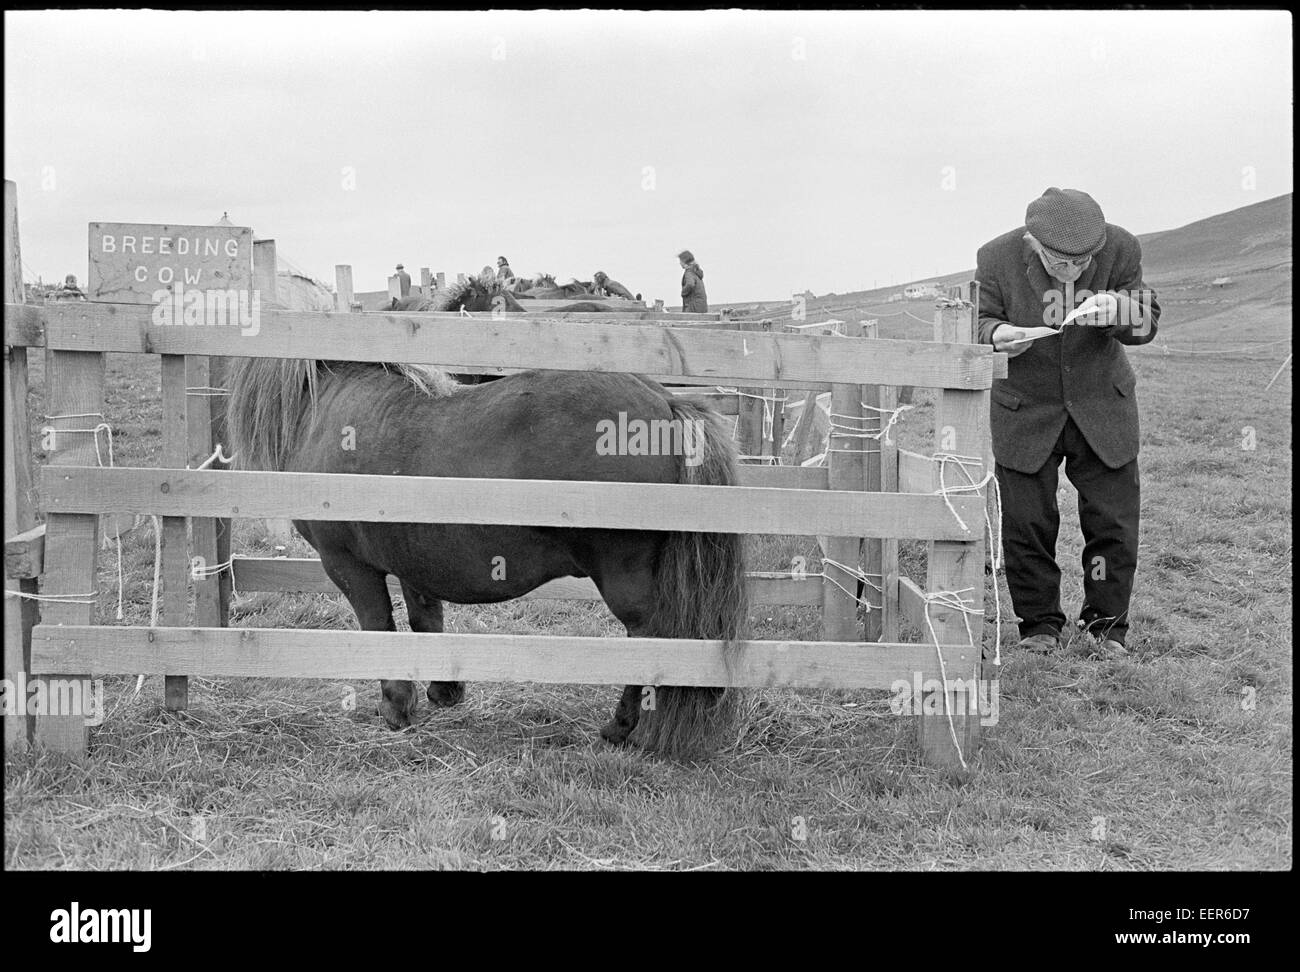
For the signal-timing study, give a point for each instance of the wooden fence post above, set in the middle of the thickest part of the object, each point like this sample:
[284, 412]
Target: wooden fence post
[175, 558]
[442, 280]
[343, 284]
[20, 514]
[750, 408]
[847, 470]
[264, 275]
[74, 399]
[426, 282]
[889, 548]
[199, 409]
[961, 428]
[875, 552]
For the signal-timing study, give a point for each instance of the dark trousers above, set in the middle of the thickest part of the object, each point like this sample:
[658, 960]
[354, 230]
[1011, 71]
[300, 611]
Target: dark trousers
[1108, 516]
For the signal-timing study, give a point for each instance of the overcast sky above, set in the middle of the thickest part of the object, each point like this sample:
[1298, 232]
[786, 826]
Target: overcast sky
[828, 151]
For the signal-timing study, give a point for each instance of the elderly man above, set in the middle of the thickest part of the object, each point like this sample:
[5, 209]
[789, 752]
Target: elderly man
[604, 287]
[1069, 395]
[403, 281]
[694, 298]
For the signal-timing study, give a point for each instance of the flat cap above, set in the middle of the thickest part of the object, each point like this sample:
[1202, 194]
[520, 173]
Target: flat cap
[1067, 221]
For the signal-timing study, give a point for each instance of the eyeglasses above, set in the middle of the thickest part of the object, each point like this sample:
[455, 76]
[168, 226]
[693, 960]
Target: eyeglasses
[1076, 264]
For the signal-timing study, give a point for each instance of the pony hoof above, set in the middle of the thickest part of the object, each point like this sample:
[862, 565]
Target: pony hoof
[615, 732]
[397, 717]
[445, 693]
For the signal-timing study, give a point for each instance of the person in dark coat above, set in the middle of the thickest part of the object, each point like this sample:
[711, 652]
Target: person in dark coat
[694, 298]
[1069, 395]
[505, 275]
[604, 287]
[403, 281]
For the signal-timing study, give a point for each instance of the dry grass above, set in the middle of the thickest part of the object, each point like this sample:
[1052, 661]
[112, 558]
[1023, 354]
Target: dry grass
[1154, 761]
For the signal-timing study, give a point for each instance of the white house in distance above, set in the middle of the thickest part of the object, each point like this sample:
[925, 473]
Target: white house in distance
[920, 291]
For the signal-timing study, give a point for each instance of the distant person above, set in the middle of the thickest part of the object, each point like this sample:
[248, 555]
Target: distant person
[505, 275]
[694, 298]
[69, 290]
[403, 281]
[1067, 396]
[604, 287]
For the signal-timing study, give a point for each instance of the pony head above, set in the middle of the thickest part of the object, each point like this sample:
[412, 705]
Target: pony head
[480, 293]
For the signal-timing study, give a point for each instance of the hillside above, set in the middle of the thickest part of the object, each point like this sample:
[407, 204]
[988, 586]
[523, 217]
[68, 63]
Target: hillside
[1251, 246]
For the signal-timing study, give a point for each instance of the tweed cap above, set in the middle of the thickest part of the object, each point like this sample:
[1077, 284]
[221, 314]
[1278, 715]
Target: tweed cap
[1067, 221]
[686, 255]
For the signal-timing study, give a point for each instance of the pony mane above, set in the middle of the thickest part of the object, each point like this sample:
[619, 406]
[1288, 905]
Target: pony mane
[269, 397]
[457, 292]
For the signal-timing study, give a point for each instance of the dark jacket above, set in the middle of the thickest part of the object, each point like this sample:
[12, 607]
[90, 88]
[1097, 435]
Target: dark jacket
[1084, 373]
[694, 298]
[404, 283]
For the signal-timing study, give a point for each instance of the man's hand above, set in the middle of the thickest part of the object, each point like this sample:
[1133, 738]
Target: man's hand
[1099, 310]
[1012, 340]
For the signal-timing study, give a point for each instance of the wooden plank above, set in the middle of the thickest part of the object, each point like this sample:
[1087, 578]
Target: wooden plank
[203, 530]
[25, 552]
[75, 388]
[217, 378]
[539, 502]
[783, 477]
[773, 359]
[950, 737]
[807, 443]
[270, 652]
[889, 546]
[305, 575]
[20, 514]
[134, 263]
[750, 406]
[845, 459]
[343, 285]
[265, 270]
[723, 403]
[911, 604]
[175, 556]
[873, 550]
[916, 473]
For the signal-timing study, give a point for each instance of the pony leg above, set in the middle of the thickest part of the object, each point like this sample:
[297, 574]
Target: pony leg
[627, 584]
[425, 614]
[626, 714]
[367, 591]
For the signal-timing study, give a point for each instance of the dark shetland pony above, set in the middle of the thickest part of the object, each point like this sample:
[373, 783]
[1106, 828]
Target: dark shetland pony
[413, 421]
[478, 294]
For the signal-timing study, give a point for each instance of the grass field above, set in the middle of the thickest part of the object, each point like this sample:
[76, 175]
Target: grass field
[1176, 757]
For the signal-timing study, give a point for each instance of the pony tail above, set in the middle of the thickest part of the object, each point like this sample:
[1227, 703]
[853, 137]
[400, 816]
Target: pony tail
[701, 592]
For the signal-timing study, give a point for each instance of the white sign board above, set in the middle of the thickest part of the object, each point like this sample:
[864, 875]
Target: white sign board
[131, 262]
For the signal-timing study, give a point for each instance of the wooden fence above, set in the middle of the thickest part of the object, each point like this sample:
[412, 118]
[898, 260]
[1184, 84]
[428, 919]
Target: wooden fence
[839, 502]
